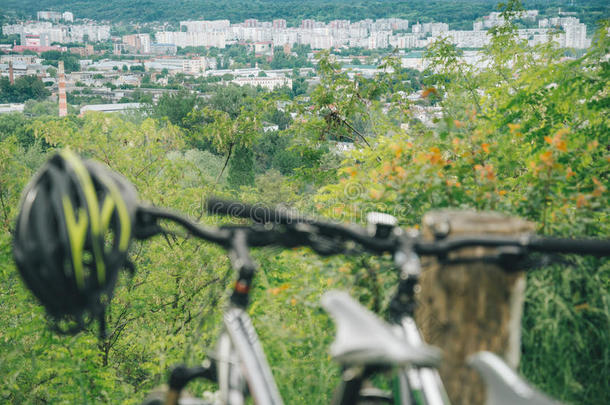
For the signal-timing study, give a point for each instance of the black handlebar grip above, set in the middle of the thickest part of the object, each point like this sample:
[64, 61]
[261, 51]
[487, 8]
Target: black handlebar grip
[578, 246]
[256, 212]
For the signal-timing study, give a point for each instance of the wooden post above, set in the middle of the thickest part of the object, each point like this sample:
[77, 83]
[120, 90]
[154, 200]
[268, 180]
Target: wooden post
[466, 308]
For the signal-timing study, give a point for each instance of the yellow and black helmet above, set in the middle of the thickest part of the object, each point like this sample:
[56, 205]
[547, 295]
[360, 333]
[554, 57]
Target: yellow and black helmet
[71, 238]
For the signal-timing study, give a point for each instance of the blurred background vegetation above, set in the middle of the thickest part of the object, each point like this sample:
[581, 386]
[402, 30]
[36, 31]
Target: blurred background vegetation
[458, 14]
[527, 136]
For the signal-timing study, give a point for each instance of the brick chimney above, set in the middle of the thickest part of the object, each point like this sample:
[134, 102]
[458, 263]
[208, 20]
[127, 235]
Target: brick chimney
[11, 76]
[61, 84]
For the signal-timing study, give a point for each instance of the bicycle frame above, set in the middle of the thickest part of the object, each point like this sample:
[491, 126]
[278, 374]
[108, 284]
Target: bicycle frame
[241, 361]
[423, 385]
[253, 364]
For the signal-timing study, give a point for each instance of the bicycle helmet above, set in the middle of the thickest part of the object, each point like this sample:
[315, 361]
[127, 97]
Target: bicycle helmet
[74, 227]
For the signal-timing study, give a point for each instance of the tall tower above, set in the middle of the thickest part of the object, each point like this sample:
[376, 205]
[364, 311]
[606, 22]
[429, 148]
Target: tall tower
[11, 76]
[61, 84]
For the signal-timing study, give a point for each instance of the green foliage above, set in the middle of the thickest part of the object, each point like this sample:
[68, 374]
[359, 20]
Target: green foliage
[16, 125]
[241, 167]
[71, 62]
[174, 107]
[457, 13]
[283, 61]
[523, 137]
[526, 136]
[25, 88]
[137, 68]
[34, 108]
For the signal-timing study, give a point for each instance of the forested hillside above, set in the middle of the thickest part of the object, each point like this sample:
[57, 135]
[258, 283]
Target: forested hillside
[527, 136]
[458, 13]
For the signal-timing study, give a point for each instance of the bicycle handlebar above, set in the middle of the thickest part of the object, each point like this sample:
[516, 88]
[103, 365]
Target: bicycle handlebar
[578, 246]
[265, 215]
[530, 242]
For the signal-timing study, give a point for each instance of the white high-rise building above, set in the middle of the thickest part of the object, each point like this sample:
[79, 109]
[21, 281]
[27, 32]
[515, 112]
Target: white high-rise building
[183, 39]
[204, 26]
[49, 15]
[576, 36]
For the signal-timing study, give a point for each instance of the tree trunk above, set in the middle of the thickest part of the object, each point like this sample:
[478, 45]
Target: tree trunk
[466, 308]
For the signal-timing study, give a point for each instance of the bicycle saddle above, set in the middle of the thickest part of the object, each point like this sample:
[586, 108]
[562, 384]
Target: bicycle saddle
[504, 385]
[364, 339]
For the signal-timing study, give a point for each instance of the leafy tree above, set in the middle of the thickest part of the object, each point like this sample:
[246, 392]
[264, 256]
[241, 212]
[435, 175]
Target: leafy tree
[40, 108]
[241, 168]
[137, 68]
[71, 62]
[281, 118]
[175, 106]
[25, 88]
[231, 99]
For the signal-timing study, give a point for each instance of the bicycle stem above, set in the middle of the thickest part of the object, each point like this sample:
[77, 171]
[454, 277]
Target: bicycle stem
[408, 263]
[242, 261]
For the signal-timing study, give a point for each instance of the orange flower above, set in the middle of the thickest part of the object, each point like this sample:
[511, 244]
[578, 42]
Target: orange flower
[428, 91]
[397, 149]
[557, 140]
[458, 124]
[351, 171]
[400, 172]
[502, 192]
[386, 169]
[600, 189]
[581, 201]
[343, 269]
[562, 132]
[570, 173]
[547, 158]
[375, 194]
[472, 114]
[435, 155]
[490, 172]
[514, 128]
[485, 147]
[486, 171]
